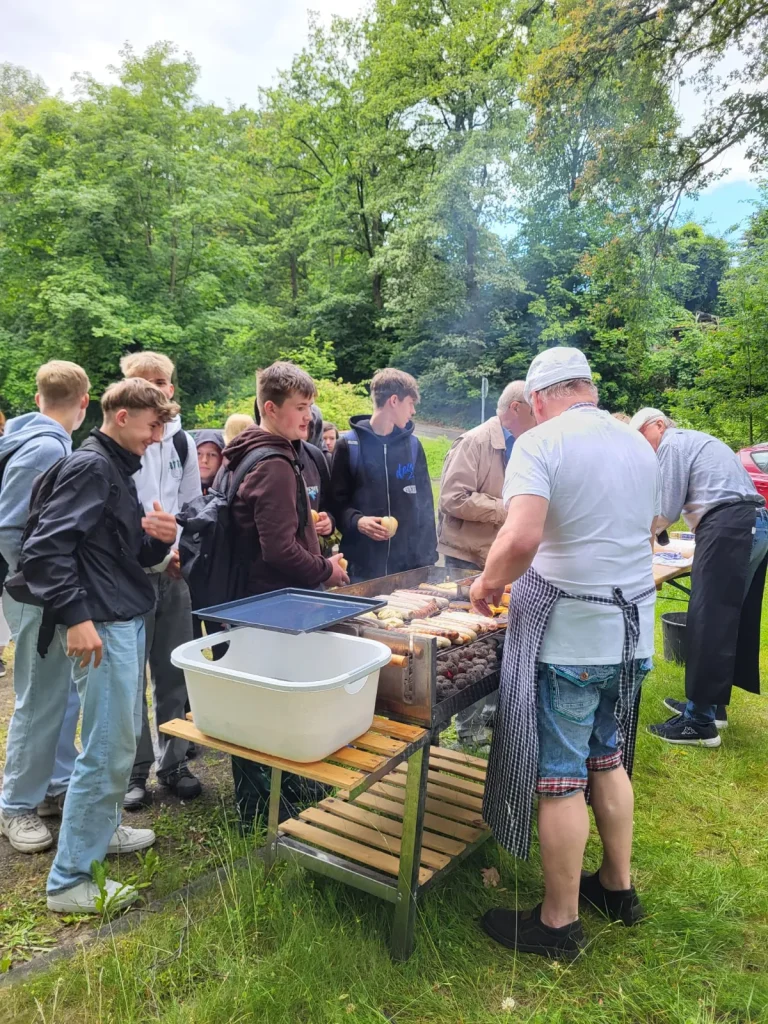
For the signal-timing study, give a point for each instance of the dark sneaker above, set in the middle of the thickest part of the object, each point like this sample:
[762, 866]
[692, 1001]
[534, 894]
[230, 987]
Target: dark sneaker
[524, 931]
[619, 905]
[679, 706]
[683, 731]
[192, 751]
[137, 795]
[181, 782]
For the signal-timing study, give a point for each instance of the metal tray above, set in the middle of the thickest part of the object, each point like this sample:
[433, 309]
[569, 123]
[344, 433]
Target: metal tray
[291, 610]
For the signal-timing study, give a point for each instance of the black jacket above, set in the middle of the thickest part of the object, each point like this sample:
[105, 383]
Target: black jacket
[392, 479]
[86, 556]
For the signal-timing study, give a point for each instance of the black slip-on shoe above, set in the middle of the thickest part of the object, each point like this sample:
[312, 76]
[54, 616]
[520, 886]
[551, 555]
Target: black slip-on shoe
[524, 931]
[679, 706]
[619, 905]
[181, 782]
[683, 732]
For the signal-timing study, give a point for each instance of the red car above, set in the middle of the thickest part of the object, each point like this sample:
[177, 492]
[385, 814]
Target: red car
[755, 461]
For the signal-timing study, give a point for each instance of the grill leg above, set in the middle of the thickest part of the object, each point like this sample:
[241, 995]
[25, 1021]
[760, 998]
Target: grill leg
[410, 855]
[274, 817]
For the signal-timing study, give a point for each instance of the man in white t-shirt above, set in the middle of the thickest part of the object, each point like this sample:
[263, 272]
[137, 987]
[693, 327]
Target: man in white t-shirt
[581, 497]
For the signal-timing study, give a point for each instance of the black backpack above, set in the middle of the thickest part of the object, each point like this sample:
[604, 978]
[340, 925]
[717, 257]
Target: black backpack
[214, 570]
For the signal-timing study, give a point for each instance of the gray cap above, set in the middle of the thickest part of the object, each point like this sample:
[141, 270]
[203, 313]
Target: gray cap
[647, 415]
[210, 437]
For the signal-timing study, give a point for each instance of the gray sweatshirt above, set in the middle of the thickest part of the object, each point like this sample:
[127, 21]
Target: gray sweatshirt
[33, 442]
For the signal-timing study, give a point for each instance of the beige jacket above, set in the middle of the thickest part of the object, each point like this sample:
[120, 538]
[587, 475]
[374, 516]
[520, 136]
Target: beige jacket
[471, 511]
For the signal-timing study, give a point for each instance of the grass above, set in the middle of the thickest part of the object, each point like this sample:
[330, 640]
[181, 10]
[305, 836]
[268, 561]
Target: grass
[435, 448]
[295, 948]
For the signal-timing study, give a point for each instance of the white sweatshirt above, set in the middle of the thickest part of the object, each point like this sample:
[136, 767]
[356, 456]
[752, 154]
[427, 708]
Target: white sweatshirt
[163, 478]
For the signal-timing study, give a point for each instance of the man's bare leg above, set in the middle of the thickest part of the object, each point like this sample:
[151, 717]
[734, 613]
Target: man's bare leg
[563, 833]
[613, 802]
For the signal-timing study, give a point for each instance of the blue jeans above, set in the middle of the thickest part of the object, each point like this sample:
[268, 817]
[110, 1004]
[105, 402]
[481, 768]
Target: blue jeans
[110, 696]
[576, 723]
[41, 751]
[705, 714]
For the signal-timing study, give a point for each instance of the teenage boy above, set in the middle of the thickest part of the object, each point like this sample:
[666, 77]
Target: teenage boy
[210, 446]
[274, 531]
[169, 474]
[84, 560]
[39, 762]
[380, 469]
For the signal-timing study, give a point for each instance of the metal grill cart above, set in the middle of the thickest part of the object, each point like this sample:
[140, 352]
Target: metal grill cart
[405, 811]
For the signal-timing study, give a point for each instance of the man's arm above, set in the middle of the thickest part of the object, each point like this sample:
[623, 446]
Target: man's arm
[459, 494]
[341, 489]
[48, 558]
[675, 471]
[32, 459]
[513, 550]
[270, 490]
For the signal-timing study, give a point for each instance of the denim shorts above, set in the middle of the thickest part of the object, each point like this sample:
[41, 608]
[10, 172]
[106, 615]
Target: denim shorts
[576, 719]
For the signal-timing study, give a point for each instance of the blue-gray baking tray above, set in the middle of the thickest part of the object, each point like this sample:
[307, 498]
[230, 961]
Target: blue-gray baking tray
[291, 610]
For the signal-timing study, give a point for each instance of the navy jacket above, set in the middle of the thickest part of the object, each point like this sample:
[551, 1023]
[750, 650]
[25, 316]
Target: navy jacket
[392, 479]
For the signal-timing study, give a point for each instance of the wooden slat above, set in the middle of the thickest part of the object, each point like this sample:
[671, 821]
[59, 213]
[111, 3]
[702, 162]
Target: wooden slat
[379, 744]
[465, 771]
[453, 796]
[458, 755]
[399, 730]
[451, 781]
[320, 771]
[376, 859]
[369, 836]
[380, 822]
[434, 805]
[434, 822]
[360, 759]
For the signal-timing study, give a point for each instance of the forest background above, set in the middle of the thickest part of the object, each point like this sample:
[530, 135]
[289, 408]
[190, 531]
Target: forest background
[447, 186]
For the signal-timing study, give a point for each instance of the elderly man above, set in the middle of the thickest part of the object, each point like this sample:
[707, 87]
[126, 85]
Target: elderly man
[577, 545]
[471, 512]
[705, 481]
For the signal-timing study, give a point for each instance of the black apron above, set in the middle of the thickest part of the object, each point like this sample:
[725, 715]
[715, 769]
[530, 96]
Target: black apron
[723, 626]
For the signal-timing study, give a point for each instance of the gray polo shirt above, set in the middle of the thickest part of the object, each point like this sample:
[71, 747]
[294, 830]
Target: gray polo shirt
[699, 472]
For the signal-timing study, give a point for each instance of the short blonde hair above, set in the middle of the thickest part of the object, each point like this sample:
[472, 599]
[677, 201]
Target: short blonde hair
[145, 364]
[389, 382]
[621, 417]
[236, 424]
[136, 394]
[60, 383]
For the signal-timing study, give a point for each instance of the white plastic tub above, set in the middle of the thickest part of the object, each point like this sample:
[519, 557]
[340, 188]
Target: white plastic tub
[294, 696]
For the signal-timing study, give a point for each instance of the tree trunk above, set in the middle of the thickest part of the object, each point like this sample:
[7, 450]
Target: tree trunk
[471, 273]
[378, 298]
[294, 276]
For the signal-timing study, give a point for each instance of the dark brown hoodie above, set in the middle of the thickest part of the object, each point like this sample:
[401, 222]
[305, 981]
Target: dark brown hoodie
[266, 519]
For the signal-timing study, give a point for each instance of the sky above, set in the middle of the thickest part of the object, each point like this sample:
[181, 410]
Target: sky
[240, 46]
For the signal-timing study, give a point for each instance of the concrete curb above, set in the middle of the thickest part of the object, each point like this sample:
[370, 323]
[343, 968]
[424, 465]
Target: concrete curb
[121, 926]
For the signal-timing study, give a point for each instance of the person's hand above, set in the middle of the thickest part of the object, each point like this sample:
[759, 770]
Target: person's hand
[482, 595]
[174, 566]
[338, 577]
[324, 525]
[84, 641]
[371, 527]
[160, 525]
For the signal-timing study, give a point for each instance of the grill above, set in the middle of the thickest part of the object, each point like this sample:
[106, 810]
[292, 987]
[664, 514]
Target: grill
[408, 685]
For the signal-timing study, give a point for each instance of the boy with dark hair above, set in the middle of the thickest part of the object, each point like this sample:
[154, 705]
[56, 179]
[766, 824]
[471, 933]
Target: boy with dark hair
[380, 470]
[274, 529]
[169, 474]
[84, 561]
[39, 763]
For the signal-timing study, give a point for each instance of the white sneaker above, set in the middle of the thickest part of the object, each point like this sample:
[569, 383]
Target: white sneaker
[129, 840]
[51, 807]
[81, 898]
[26, 833]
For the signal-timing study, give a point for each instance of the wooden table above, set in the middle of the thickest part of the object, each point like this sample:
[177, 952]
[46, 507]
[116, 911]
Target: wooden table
[672, 573]
[399, 820]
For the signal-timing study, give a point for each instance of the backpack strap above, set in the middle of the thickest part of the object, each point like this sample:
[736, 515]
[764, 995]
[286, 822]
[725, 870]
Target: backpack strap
[235, 478]
[353, 447]
[181, 444]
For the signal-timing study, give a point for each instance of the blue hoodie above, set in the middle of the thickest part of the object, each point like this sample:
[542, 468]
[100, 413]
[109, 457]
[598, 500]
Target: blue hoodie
[34, 442]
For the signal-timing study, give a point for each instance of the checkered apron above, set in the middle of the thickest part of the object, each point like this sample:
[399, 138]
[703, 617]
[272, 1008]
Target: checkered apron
[514, 757]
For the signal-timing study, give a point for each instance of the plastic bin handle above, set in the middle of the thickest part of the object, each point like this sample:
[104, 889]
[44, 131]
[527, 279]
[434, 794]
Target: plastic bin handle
[356, 686]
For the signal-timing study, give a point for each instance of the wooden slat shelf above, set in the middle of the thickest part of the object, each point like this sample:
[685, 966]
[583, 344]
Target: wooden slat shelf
[368, 828]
